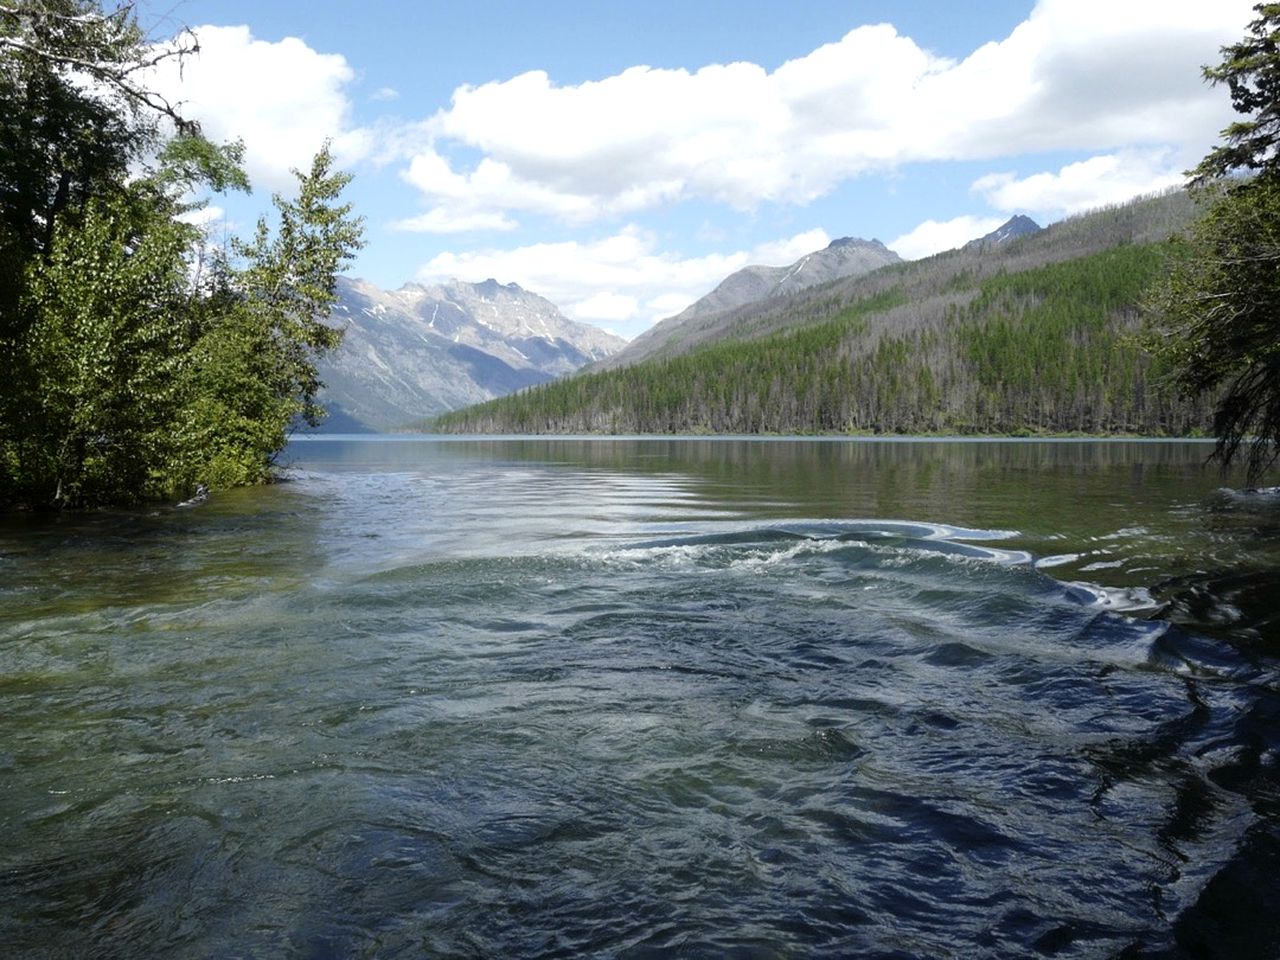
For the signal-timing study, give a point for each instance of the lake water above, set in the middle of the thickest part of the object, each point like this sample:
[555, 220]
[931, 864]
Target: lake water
[645, 698]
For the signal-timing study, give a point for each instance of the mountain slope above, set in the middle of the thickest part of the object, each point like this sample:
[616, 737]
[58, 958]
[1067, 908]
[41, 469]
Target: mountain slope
[700, 321]
[1031, 335]
[421, 350]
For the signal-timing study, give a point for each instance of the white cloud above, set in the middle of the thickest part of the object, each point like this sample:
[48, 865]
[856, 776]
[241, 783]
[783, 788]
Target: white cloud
[934, 236]
[283, 99]
[1076, 75]
[1086, 185]
[608, 307]
[383, 94]
[442, 220]
[624, 280]
[493, 188]
[203, 216]
[781, 253]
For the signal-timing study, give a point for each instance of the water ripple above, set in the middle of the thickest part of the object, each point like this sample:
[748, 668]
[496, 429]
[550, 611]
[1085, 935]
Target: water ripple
[626, 721]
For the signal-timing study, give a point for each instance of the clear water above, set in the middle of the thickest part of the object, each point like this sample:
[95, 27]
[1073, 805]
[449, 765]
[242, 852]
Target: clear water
[634, 698]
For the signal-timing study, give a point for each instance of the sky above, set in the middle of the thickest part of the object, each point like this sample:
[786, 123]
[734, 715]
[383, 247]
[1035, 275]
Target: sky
[622, 158]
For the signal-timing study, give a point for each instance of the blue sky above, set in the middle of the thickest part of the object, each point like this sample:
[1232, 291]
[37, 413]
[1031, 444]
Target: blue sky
[622, 158]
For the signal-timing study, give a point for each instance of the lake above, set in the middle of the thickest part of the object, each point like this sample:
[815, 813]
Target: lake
[651, 697]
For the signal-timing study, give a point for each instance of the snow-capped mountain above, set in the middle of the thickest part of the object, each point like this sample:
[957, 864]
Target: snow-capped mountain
[1012, 228]
[422, 350]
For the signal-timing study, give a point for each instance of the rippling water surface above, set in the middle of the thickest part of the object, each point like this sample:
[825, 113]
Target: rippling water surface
[651, 698]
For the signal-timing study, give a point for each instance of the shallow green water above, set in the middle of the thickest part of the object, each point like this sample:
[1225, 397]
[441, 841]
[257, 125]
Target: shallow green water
[642, 697]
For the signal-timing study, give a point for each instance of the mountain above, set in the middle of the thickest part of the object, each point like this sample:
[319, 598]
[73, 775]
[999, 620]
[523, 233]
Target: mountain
[1011, 229]
[1026, 337]
[846, 257]
[421, 350]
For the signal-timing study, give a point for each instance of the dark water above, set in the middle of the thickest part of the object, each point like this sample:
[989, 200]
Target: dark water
[652, 698]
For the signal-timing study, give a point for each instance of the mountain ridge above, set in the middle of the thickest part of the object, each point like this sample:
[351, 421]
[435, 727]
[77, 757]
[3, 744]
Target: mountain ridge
[423, 349]
[841, 258]
[1031, 335]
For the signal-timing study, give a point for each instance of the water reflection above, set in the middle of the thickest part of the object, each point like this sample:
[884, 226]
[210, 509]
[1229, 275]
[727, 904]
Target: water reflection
[968, 482]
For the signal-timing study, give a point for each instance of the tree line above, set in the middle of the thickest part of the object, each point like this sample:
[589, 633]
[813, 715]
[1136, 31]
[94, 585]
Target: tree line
[1052, 349]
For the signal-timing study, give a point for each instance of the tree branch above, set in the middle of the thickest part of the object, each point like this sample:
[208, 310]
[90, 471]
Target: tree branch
[115, 74]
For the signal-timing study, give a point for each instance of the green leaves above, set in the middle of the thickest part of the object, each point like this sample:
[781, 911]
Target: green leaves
[1251, 71]
[289, 282]
[1218, 317]
[139, 361]
[1216, 314]
[102, 355]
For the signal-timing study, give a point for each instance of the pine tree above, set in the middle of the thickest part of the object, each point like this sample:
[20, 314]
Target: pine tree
[1220, 310]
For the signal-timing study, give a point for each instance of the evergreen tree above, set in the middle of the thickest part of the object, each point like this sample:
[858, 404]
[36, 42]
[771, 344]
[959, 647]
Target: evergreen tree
[1221, 305]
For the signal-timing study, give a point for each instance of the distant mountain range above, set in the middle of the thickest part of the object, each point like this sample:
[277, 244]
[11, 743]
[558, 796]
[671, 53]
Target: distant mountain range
[421, 350]
[416, 352]
[1021, 331]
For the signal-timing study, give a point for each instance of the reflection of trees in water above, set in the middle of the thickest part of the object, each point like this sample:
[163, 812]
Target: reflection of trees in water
[240, 542]
[1035, 484]
[662, 453]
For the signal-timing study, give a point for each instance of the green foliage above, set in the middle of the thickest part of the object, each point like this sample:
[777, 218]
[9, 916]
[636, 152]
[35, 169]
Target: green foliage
[101, 355]
[1044, 350]
[60, 144]
[1218, 318]
[1216, 315]
[1251, 71]
[254, 372]
[141, 363]
[291, 278]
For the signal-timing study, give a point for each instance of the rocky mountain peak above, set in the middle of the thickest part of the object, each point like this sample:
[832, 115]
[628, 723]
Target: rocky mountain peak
[492, 288]
[423, 349]
[841, 258]
[841, 242]
[1015, 226]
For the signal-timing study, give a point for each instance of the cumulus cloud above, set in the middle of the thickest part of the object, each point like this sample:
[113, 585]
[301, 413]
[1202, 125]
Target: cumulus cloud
[494, 187]
[202, 216]
[1075, 75]
[608, 307]
[934, 236]
[442, 220]
[282, 98]
[623, 280]
[1086, 185]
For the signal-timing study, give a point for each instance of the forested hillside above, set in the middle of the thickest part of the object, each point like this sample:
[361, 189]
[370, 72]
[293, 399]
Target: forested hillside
[756, 286]
[1038, 335]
